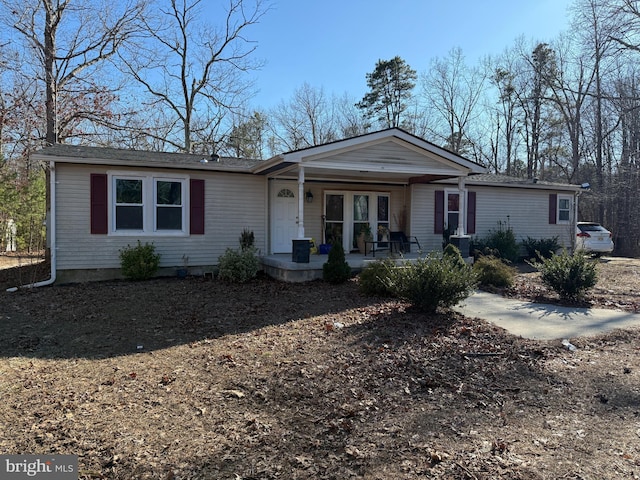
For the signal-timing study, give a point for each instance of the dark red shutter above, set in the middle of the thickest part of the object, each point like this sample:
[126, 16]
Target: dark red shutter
[471, 212]
[439, 212]
[196, 201]
[553, 208]
[99, 205]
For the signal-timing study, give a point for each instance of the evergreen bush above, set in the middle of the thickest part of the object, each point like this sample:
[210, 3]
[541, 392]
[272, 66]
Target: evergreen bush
[374, 278]
[502, 243]
[570, 276]
[492, 271]
[140, 262]
[238, 266]
[336, 269]
[452, 251]
[543, 247]
[247, 239]
[432, 282]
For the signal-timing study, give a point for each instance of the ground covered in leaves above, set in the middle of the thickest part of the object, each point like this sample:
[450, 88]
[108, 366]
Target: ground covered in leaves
[181, 379]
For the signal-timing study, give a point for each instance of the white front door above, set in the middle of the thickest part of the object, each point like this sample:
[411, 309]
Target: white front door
[284, 224]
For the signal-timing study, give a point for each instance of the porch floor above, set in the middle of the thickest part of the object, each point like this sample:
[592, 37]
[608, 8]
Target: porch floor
[281, 267]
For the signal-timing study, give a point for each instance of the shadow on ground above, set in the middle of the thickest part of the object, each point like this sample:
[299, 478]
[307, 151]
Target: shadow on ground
[105, 319]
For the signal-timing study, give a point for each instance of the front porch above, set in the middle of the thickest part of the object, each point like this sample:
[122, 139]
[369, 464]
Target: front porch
[281, 267]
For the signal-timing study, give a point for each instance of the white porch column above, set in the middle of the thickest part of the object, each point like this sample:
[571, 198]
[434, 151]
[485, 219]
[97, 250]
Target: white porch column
[300, 202]
[462, 208]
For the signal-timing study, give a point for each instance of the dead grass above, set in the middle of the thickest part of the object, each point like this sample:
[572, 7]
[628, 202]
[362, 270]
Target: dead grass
[177, 379]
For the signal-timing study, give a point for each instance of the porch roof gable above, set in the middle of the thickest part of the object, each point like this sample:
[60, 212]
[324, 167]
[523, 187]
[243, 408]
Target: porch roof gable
[392, 154]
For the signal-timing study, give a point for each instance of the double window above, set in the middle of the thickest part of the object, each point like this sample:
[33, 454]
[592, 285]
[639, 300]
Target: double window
[148, 204]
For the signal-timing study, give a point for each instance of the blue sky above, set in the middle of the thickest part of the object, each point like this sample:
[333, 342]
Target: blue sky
[334, 43]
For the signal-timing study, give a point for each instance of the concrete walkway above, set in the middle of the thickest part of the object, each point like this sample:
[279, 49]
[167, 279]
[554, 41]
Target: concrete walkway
[542, 321]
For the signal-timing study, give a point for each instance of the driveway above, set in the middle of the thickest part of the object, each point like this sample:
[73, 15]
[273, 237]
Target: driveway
[542, 321]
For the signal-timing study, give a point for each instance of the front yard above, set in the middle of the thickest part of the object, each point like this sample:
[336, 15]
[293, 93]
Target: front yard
[176, 379]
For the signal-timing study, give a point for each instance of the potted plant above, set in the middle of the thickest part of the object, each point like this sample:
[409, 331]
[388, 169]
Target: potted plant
[363, 237]
[383, 233]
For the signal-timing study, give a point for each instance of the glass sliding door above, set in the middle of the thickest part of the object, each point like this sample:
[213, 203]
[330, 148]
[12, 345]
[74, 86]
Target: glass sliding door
[334, 219]
[348, 214]
[383, 219]
[360, 217]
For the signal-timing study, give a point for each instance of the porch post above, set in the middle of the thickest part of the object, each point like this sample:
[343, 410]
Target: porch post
[300, 202]
[460, 239]
[462, 208]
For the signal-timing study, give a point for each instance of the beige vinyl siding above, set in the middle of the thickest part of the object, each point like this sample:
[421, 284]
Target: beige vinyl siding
[232, 202]
[525, 210]
[379, 155]
[422, 217]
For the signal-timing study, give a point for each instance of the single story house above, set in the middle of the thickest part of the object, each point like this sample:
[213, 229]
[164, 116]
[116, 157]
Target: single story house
[192, 208]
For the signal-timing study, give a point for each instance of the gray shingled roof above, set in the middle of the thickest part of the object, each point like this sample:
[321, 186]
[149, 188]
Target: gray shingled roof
[115, 156]
[506, 180]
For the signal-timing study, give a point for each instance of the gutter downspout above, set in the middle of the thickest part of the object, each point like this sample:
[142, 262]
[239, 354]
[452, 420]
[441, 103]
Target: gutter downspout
[575, 222]
[52, 234]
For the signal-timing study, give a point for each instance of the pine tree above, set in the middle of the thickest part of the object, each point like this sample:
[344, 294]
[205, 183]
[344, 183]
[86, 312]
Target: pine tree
[391, 85]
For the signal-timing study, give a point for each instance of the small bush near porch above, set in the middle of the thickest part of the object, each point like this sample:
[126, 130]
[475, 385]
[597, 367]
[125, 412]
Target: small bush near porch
[436, 281]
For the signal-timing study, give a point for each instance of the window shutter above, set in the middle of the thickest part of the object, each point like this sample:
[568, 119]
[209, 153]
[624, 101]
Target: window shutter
[196, 202]
[99, 204]
[471, 212]
[553, 208]
[439, 212]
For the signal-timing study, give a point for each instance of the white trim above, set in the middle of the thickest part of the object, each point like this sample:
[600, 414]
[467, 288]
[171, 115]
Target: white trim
[348, 217]
[568, 198]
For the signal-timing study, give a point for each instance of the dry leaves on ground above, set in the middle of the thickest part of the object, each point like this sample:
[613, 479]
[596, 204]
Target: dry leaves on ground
[177, 379]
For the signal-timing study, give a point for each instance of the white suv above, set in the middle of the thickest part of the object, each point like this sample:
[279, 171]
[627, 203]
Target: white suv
[593, 238]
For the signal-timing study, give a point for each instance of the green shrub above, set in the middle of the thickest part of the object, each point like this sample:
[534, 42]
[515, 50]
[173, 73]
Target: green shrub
[374, 278]
[479, 248]
[140, 262]
[238, 266]
[501, 243]
[492, 271]
[570, 276]
[432, 282]
[247, 240]
[452, 251]
[446, 235]
[543, 247]
[336, 269]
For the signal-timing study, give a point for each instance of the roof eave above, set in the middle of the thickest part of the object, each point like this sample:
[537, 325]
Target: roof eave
[208, 166]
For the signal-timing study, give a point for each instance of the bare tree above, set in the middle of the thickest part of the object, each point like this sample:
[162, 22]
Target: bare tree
[192, 69]
[570, 84]
[626, 181]
[453, 90]
[307, 119]
[349, 117]
[506, 120]
[247, 137]
[72, 39]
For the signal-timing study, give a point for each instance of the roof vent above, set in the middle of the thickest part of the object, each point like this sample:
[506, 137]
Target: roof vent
[215, 157]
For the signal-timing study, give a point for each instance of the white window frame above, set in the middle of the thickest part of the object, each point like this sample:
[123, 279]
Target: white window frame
[114, 205]
[149, 212]
[461, 198]
[568, 198]
[348, 220]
